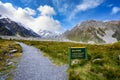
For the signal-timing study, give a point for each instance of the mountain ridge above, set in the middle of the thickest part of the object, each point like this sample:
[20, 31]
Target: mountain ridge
[90, 31]
[12, 28]
[96, 31]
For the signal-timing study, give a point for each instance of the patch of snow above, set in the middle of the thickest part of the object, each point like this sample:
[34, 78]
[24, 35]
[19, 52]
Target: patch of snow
[7, 27]
[108, 37]
[8, 20]
[47, 34]
[1, 17]
[20, 24]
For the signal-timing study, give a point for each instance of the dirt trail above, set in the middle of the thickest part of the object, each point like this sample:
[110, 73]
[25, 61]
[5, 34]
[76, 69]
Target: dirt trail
[34, 66]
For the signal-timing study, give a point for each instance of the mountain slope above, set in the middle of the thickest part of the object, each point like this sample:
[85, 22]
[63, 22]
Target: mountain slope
[11, 28]
[96, 31]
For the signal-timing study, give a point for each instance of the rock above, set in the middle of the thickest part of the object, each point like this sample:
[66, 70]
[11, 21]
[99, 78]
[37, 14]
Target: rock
[119, 57]
[1, 58]
[74, 62]
[13, 51]
[98, 59]
[7, 61]
[10, 63]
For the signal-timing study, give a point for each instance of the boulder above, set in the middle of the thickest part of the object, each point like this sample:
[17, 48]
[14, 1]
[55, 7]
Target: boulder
[13, 51]
[98, 59]
[119, 57]
[9, 63]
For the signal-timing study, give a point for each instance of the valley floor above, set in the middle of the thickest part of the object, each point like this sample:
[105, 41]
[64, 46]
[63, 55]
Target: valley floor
[103, 62]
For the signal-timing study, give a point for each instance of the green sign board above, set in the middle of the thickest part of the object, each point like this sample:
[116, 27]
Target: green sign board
[77, 53]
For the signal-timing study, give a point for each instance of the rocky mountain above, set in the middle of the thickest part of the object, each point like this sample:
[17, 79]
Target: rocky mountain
[11, 28]
[93, 31]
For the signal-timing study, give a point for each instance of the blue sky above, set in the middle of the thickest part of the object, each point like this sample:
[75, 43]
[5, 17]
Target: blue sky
[59, 15]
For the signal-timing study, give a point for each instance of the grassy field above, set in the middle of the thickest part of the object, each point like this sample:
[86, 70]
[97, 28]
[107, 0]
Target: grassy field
[5, 58]
[102, 64]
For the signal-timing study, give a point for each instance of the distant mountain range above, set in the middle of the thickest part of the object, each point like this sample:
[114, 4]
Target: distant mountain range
[90, 31]
[48, 34]
[11, 28]
[93, 31]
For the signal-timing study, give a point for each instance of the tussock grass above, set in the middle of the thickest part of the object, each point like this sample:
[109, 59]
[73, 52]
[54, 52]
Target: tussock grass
[56, 51]
[5, 47]
[102, 63]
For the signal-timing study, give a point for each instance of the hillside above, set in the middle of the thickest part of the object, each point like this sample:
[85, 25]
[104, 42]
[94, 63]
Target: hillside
[11, 28]
[95, 31]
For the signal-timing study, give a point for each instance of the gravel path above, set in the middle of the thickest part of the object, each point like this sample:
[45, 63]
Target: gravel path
[34, 66]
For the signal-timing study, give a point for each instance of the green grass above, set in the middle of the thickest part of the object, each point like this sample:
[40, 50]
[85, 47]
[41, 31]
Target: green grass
[102, 62]
[5, 47]
[56, 51]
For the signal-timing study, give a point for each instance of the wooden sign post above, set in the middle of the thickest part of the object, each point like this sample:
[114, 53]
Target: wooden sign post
[77, 53]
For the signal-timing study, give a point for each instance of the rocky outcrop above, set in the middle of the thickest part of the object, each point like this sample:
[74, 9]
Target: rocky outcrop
[95, 31]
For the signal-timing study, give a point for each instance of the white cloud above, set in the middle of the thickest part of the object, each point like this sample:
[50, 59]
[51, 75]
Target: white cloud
[85, 5]
[88, 4]
[48, 23]
[115, 10]
[62, 6]
[30, 11]
[24, 16]
[46, 10]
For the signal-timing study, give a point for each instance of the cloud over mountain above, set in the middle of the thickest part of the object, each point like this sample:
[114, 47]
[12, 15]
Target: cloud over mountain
[58, 15]
[25, 16]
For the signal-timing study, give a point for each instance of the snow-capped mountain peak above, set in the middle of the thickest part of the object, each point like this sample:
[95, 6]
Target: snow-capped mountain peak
[48, 34]
[2, 16]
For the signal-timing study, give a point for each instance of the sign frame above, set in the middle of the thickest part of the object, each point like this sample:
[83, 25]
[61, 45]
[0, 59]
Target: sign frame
[77, 53]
